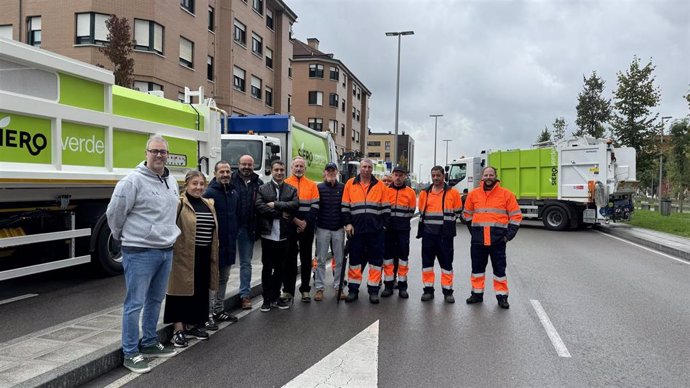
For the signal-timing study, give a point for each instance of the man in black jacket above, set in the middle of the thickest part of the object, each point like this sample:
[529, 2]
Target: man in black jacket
[276, 205]
[225, 199]
[247, 184]
[330, 230]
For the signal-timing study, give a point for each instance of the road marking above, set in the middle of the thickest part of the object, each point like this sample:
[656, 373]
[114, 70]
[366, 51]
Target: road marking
[16, 298]
[646, 248]
[550, 330]
[354, 364]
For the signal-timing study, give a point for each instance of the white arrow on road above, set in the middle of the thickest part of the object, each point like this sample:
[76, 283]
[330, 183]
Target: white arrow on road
[354, 364]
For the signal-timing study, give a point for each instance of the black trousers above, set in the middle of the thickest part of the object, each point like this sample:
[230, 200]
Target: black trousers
[303, 244]
[274, 260]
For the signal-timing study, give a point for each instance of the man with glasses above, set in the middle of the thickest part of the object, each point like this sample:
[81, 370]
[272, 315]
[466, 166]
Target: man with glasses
[141, 214]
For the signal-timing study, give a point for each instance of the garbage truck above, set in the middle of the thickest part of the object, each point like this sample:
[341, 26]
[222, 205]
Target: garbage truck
[576, 182]
[67, 136]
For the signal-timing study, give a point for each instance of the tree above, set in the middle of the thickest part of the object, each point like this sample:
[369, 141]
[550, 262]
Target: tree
[632, 122]
[119, 50]
[559, 128]
[544, 136]
[679, 158]
[592, 109]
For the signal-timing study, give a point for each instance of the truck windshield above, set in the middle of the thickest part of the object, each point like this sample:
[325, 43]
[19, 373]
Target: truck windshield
[233, 149]
[457, 173]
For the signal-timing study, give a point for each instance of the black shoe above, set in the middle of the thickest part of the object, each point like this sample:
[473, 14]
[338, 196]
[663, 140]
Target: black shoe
[223, 316]
[374, 298]
[266, 307]
[351, 297]
[427, 296]
[475, 298]
[283, 304]
[403, 294]
[449, 298]
[197, 333]
[211, 324]
[503, 301]
[179, 340]
[387, 292]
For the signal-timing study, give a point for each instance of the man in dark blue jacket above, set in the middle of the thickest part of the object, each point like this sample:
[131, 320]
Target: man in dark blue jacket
[247, 184]
[225, 199]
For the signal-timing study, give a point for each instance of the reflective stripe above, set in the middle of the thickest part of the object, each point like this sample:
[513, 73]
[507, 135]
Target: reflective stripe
[402, 262]
[401, 214]
[514, 222]
[374, 268]
[478, 275]
[469, 211]
[304, 209]
[449, 218]
[388, 261]
[468, 218]
[500, 279]
[433, 222]
[494, 224]
[501, 292]
[478, 290]
[514, 213]
[492, 210]
[446, 271]
[450, 287]
[402, 278]
[369, 211]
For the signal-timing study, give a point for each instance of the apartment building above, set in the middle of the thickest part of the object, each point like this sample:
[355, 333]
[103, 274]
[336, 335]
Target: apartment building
[380, 147]
[327, 96]
[238, 51]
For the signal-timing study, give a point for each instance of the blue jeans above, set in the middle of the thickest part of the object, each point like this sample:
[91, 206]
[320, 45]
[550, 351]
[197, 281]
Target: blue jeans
[245, 247]
[146, 280]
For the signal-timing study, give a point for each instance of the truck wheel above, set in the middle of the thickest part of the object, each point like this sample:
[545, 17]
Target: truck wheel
[107, 255]
[555, 218]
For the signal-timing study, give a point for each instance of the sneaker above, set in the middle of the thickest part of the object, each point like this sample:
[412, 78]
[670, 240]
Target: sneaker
[374, 298]
[157, 350]
[387, 292]
[403, 294]
[427, 296]
[306, 298]
[503, 301]
[225, 317]
[475, 298]
[246, 303]
[352, 297]
[179, 340]
[265, 307]
[137, 364]
[342, 295]
[211, 324]
[318, 296]
[448, 298]
[283, 304]
[197, 333]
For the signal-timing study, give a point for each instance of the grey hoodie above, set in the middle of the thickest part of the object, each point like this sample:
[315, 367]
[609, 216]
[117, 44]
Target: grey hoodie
[143, 208]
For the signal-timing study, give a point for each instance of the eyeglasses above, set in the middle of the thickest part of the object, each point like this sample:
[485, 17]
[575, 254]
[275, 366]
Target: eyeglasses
[159, 152]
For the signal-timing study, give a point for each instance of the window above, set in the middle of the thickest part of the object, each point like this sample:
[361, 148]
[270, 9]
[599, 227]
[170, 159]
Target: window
[388, 156]
[180, 97]
[186, 52]
[289, 103]
[315, 71]
[333, 100]
[374, 154]
[258, 6]
[354, 90]
[344, 79]
[209, 68]
[358, 112]
[333, 126]
[269, 58]
[374, 143]
[335, 73]
[188, 5]
[240, 33]
[256, 87]
[387, 146]
[354, 112]
[269, 18]
[144, 86]
[343, 105]
[359, 93]
[238, 78]
[34, 31]
[315, 124]
[257, 44]
[269, 96]
[6, 31]
[91, 28]
[353, 135]
[211, 19]
[342, 129]
[290, 70]
[315, 98]
[148, 36]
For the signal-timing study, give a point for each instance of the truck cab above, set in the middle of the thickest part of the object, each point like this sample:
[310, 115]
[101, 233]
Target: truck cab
[464, 174]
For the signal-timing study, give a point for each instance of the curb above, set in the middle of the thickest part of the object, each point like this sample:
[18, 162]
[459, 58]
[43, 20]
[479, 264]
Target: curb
[682, 254]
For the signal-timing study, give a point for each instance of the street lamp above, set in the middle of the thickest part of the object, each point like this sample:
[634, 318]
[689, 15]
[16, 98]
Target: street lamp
[661, 156]
[435, 131]
[447, 141]
[397, 94]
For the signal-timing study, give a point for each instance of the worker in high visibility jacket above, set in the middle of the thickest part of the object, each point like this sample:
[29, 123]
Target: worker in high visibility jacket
[493, 218]
[439, 206]
[366, 210]
[403, 202]
[304, 221]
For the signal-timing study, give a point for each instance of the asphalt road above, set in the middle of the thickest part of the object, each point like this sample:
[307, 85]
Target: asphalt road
[621, 312]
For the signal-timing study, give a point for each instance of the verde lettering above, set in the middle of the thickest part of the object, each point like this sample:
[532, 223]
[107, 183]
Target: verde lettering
[80, 144]
[307, 155]
[21, 139]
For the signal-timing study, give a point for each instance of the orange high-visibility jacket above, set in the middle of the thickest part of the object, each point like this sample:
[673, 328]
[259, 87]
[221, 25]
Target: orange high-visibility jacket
[493, 217]
[367, 209]
[438, 218]
[308, 195]
[403, 202]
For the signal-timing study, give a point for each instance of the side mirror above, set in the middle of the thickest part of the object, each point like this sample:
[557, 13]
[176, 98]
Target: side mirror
[446, 175]
[447, 168]
[275, 149]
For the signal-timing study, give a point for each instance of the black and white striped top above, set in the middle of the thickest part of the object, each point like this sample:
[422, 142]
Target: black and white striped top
[205, 225]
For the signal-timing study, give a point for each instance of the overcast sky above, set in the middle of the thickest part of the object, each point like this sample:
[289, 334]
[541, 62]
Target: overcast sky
[499, 71]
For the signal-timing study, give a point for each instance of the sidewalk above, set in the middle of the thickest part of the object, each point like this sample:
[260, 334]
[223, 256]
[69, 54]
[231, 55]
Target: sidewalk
[663, 242]
[74, 352]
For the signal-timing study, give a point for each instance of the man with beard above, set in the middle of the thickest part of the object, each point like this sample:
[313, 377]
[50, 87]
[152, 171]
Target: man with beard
[247, 183]
[493, 218]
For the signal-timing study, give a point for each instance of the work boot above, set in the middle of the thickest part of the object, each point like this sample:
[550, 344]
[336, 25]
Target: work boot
[403, 294]
[387, 292]
[374, 298]
[449, 298]
[503, 301]
[247, 304]
[427, 296]
[352, 297]
[475, 298]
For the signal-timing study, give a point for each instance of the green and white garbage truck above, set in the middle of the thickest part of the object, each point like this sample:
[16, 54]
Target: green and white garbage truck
[576, 182]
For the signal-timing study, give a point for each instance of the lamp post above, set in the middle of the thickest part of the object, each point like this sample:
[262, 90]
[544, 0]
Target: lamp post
[397, 95]
[661, 156]
[447, 141]
[435, 132]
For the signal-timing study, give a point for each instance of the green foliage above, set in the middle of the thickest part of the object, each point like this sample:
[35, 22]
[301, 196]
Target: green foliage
[544, 136]
[676, 223]
[559, 128]
[119, 50]
[679, 158]
[633, 123]
[592, 109]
